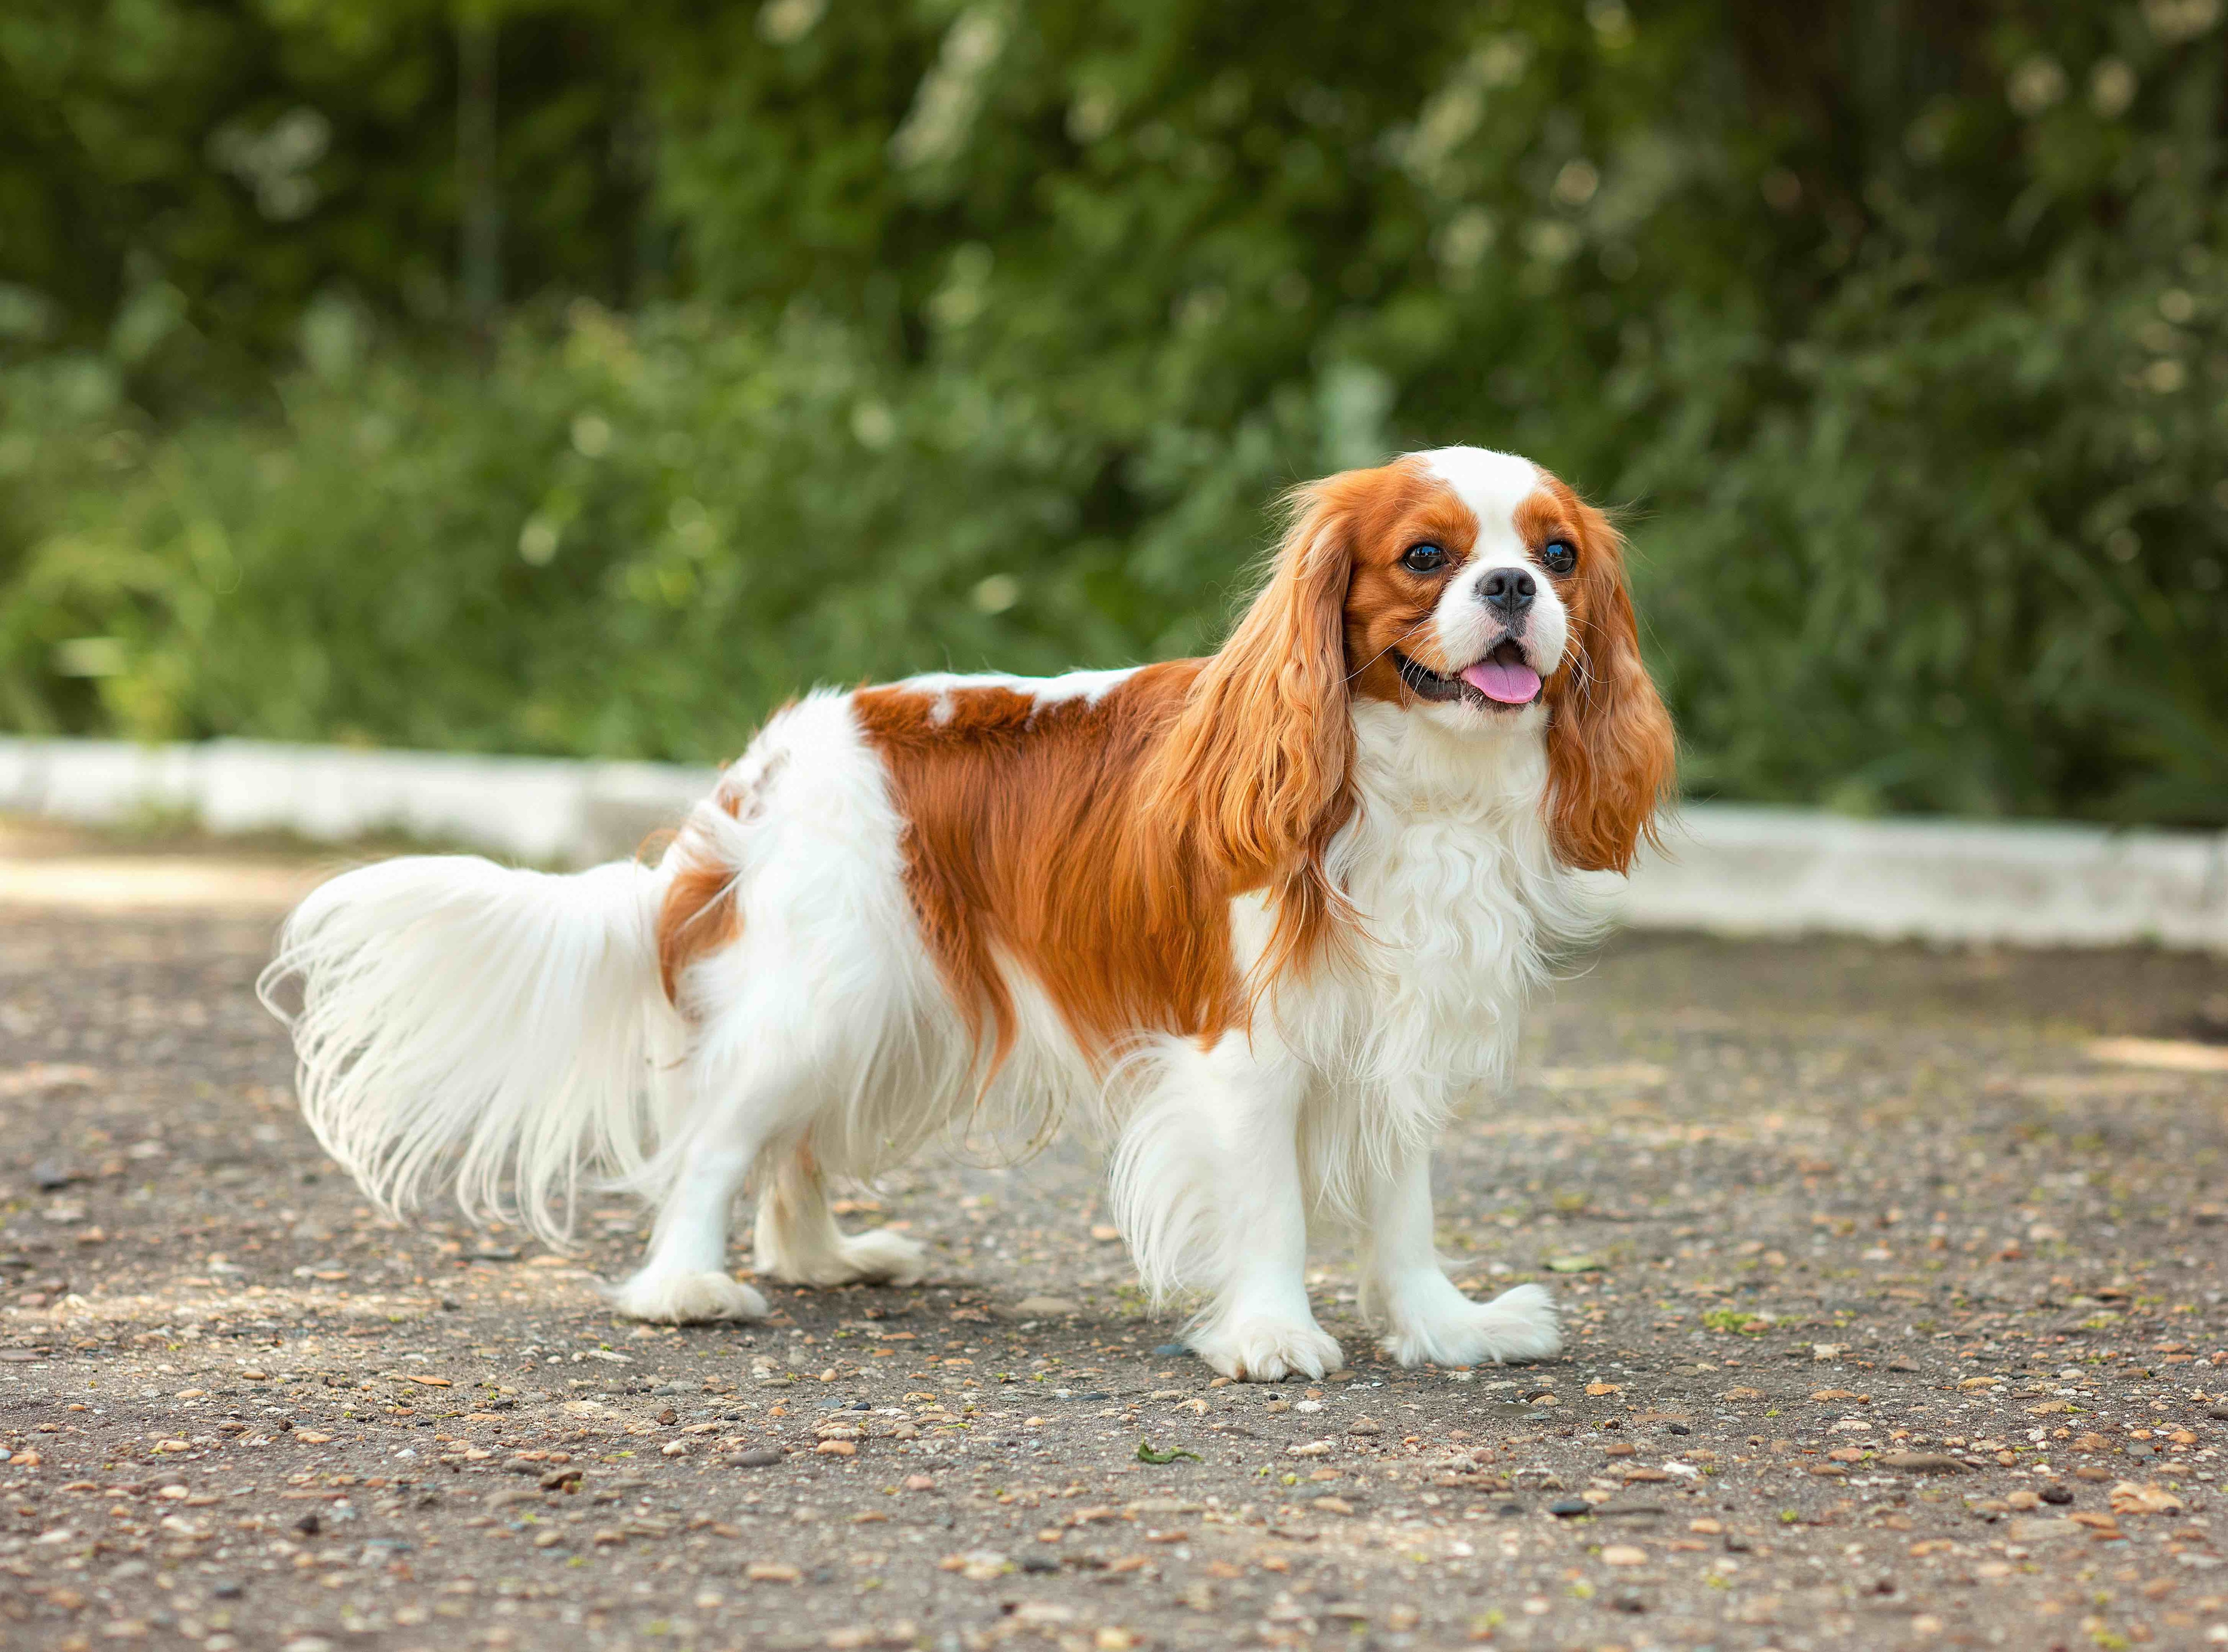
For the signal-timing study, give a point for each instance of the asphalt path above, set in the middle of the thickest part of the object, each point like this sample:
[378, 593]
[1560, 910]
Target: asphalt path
[1893, 1277]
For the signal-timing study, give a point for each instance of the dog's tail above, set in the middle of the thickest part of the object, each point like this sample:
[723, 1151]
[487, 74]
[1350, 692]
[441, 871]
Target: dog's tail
[506, 1027]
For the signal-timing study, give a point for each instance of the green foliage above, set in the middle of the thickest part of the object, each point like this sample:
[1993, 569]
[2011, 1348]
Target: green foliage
[871, 339]
[1146, 1453]
[1733, 1319]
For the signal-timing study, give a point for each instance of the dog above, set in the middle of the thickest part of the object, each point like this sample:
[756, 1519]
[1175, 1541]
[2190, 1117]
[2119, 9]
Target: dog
[1260, 922]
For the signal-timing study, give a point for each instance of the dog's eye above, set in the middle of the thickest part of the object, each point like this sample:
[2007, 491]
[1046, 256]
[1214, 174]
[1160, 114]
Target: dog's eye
[1422, 558]
[1560, 556]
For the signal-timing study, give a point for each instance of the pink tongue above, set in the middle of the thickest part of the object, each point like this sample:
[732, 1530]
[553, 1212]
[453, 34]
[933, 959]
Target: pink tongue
[1512, 685]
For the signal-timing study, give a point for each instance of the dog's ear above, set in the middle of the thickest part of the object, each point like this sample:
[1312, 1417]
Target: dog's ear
[1610, 745]
[1254, 771]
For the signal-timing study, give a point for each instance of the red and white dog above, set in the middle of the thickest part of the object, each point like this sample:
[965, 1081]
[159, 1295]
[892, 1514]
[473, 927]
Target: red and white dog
[1262, 920]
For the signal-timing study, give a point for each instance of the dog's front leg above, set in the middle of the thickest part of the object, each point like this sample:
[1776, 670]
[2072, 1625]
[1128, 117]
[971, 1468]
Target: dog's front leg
[1207, 1184]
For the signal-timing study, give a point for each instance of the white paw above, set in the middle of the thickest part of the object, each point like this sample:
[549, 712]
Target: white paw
[1267, 1350]
[880, 1257]
[687, 1298]
[876, 1257]
[1519, 1324]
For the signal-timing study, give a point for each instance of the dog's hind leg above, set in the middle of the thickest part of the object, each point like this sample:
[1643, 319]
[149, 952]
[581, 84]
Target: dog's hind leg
[685, 1277]
[798, 1241]
[736, 1106]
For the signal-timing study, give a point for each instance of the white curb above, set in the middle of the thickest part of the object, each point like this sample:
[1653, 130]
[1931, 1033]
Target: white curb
[1728, 869]
[546, 811]
[1731, 869]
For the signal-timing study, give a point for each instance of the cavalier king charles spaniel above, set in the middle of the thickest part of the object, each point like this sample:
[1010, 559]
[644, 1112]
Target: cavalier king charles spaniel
[1260, 921]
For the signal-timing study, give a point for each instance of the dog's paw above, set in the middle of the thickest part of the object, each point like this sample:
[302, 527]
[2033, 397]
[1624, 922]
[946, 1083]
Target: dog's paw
[1267, 1350]
[880, 1257]
[877, 1256]
[1519, 1324]
[687, 1298]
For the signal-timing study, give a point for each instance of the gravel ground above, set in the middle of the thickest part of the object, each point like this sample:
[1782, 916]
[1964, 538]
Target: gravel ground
[1895, 1304]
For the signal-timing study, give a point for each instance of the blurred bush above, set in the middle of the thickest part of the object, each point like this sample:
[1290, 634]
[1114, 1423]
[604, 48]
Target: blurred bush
[851, 341]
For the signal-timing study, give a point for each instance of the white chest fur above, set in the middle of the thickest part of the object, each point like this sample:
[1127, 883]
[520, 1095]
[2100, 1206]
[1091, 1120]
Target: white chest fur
[1460, 907]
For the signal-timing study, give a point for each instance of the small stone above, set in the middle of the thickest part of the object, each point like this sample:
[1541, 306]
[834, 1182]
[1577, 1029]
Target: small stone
[771, 1572]
[979, 1565]
[1045, 1307]
[1038, 1560]
[1623, 1554]
[920, 1482]
[826, 1449]
[1918, 1462]
[2056, 1494]
[2128, 1498]
[2044, 1531]
[1171, 1351]
[49, 1174]
[1568, 1507]
[756, 1457]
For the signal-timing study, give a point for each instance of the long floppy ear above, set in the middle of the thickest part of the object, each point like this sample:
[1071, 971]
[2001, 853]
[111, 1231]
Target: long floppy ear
[1610, 742]
[1255, 771]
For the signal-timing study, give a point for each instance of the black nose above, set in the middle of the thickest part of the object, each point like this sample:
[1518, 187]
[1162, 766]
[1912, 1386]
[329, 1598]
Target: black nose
[1509, 590]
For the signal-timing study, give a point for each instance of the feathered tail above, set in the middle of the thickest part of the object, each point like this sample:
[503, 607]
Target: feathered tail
[455, 1013]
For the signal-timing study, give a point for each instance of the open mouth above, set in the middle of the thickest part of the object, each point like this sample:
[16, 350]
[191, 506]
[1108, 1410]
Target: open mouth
[1503, 677]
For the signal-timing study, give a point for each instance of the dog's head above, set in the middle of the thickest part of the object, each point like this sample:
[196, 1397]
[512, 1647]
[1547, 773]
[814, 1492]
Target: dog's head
[1467, 588]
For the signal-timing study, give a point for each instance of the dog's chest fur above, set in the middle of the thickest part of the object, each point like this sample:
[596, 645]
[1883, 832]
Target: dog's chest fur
[1459, 904]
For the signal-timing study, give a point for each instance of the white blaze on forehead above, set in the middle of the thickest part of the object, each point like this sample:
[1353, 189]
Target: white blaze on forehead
[1492, 484]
